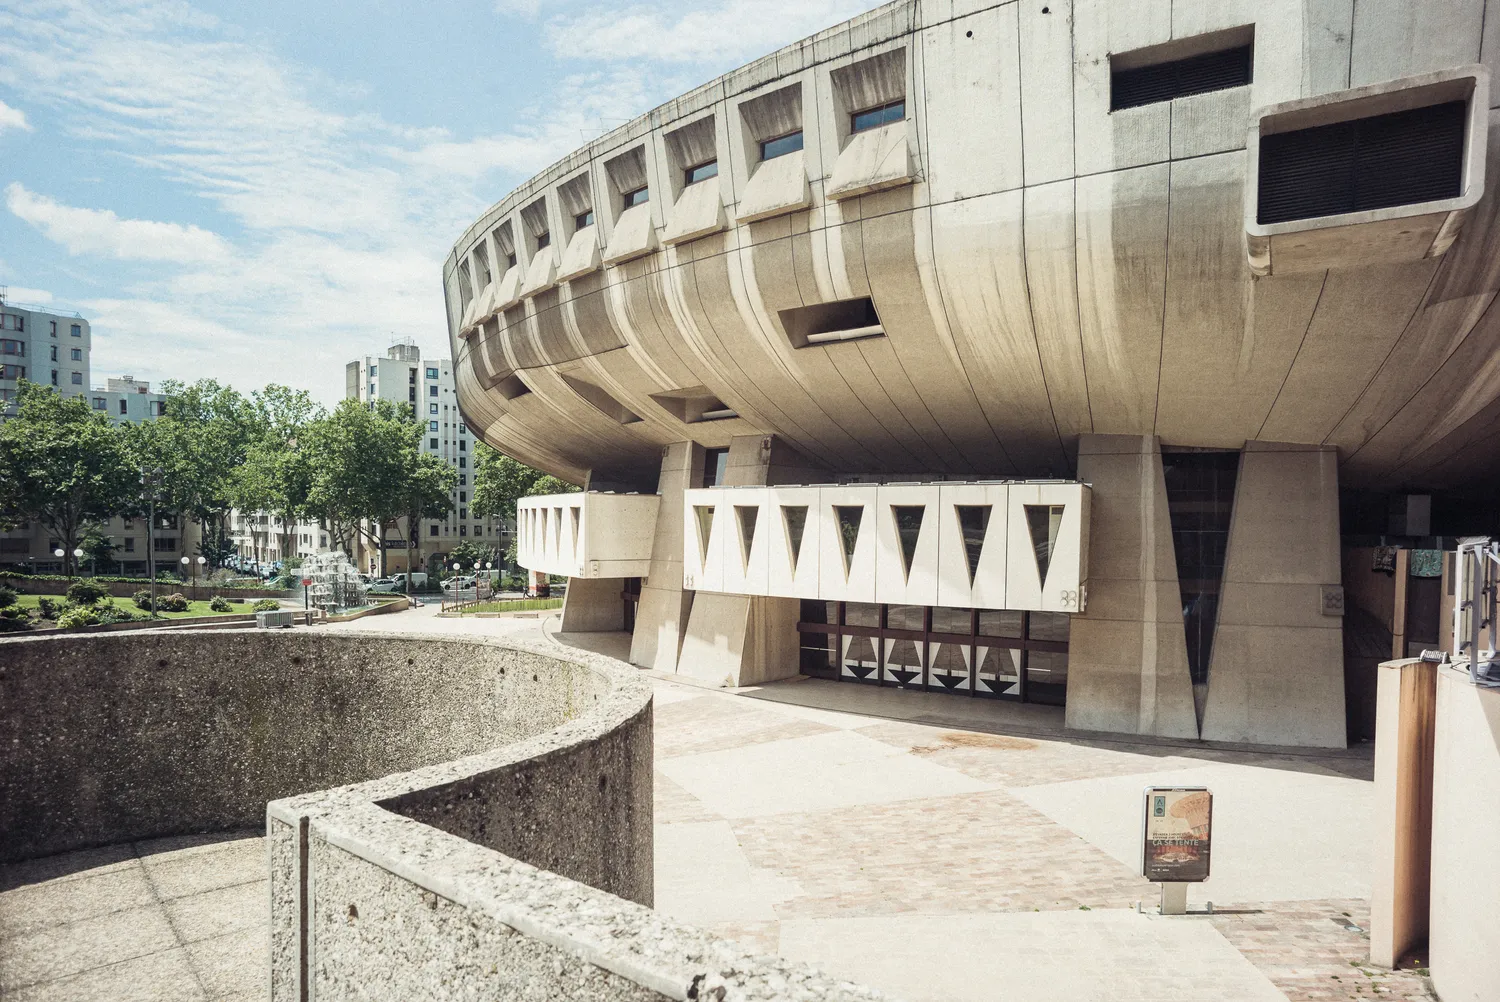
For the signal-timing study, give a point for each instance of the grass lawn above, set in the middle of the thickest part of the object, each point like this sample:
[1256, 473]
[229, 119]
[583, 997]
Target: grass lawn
[199, 608]
[515, 605]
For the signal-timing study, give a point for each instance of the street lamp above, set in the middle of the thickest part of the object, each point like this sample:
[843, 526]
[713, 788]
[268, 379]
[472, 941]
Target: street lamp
[201, 561]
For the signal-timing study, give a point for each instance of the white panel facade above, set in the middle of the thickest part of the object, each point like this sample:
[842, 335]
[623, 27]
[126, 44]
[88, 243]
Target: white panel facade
[586, 535]
[898, 544]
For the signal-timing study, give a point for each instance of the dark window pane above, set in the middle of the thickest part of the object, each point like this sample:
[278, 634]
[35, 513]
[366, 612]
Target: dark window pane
[999, 623]
[1180, 78]
[874, 118]
[909, 520]
[974, 521]
[905, 617]
[770, 149]
[702, 172]
[945, 620]
[862, 614]
[795, 516]
[1048, 626]
[849, 519]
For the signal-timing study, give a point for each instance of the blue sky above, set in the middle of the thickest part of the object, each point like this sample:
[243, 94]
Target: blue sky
[259, 192]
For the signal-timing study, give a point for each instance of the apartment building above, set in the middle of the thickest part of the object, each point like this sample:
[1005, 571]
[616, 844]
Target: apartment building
[44, 346]
[404, 377]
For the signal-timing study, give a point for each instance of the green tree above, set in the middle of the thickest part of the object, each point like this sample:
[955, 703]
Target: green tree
[362, 458]
[63, 464]
[428, 489]
[499, 482]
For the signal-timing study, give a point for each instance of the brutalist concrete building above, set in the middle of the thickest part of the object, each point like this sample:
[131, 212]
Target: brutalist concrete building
[1019, 350]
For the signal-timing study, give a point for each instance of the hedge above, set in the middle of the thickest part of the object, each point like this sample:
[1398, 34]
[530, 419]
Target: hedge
[18, 576]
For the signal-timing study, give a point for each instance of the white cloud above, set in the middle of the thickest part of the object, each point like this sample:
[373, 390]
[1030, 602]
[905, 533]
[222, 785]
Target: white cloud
[701, 31]
[32, 297]
[12, 118]
[101, 231]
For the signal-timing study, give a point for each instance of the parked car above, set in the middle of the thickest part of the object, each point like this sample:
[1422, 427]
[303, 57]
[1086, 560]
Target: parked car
[418, 581]
[383, 585]
[458, 583]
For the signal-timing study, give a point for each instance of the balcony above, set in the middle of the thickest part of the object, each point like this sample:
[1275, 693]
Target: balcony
[586, 535]
[1020, 545]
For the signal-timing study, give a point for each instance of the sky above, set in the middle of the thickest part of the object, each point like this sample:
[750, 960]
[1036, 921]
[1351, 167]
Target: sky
[260, 192]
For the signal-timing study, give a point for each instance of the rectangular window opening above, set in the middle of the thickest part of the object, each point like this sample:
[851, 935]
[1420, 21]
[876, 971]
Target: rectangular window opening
[585, 218]
[637, 196]
[825, 323]
[701, 172]
[780, 146]
[1400, 158]
[874, 118]
[1140, 78]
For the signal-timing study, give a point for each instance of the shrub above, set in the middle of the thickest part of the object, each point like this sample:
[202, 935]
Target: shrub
[220, 604]
[115, 614]
[175, 602]
[142, 599]
[77, 616]
[47, 608]
[14, 624]
[14, 612]
[86, 593]
[266, 605]
[7, 597]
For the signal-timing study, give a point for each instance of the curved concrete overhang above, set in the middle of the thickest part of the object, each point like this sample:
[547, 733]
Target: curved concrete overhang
[480, 814]
[1042, 267]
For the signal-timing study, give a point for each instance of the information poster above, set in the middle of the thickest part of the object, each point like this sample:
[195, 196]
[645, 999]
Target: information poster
[1178, 830]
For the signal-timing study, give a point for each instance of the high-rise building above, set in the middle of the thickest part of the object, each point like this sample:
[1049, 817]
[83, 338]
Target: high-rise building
[127, 399]
[44, 346]
[402, 376]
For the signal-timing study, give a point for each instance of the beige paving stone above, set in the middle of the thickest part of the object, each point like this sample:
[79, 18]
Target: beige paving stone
[706, 854]
[159, 977]
[234, 964]
[976, 852]
[675, 805]
[67, 866]
[31, 907]
[824, 771]
[696, 726]
[62, 950]
[206, 867]
[220, 912]
[1095, 956]
[1278, 834]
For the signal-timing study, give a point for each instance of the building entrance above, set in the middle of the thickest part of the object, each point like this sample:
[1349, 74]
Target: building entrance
[993, 653]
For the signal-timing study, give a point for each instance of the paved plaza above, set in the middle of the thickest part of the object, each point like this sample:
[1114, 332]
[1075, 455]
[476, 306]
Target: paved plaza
[932, 846]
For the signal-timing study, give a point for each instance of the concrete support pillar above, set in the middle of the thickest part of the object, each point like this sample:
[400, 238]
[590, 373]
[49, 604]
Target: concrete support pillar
[1127, 655]
[593, 605]
[736, 640]
[1405, 714]
[1277, 671]
[663, 611]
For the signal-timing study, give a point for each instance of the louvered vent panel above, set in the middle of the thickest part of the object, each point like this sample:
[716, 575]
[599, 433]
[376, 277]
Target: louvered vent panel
[1180, 78]
[1402, 158]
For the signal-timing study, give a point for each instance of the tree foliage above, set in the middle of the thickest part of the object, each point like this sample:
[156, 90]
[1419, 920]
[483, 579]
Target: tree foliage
[499, 482]
[64, 465]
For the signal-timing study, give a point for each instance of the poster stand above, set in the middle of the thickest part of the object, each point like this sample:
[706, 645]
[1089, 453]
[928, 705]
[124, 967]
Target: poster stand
[1176, 841]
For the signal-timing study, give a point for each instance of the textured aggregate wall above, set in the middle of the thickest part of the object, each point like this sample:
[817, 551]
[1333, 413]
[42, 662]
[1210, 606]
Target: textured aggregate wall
[112, 738]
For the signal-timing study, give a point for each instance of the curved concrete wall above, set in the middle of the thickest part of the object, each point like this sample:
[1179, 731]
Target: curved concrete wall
[511, 860]
[1044, 267]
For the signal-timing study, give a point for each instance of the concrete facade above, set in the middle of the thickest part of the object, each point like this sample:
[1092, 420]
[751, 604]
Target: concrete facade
[45, 346]
[943, 246]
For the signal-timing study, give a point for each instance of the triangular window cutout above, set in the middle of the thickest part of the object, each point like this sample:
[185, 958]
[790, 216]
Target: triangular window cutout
[747, 514]
[908, 529]
[575, 512]
[705, 516]
[795, 516]
[973, 522]
[850, 516]
[1043, 520]
[557, 531]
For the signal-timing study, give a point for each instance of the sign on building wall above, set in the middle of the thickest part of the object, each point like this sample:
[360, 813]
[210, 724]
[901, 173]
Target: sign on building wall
[1177, 834]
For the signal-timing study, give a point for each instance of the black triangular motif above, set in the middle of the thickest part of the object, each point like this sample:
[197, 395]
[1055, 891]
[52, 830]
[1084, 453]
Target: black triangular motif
[902, 676]
[850, 517]
[908, 530]
[859, 670]
[705, 518]
[747, 515]
[795, 517]
[973, 523]
[1043, 520]
[950, 681]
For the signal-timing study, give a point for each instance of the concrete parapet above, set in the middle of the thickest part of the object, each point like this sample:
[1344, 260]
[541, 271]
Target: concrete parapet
[1465, 819]
[505, 852]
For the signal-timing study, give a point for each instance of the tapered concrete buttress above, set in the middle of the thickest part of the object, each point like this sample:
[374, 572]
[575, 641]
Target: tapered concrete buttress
[1276, 675]
[1127, 653]
[663, 610]
[593, 605]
